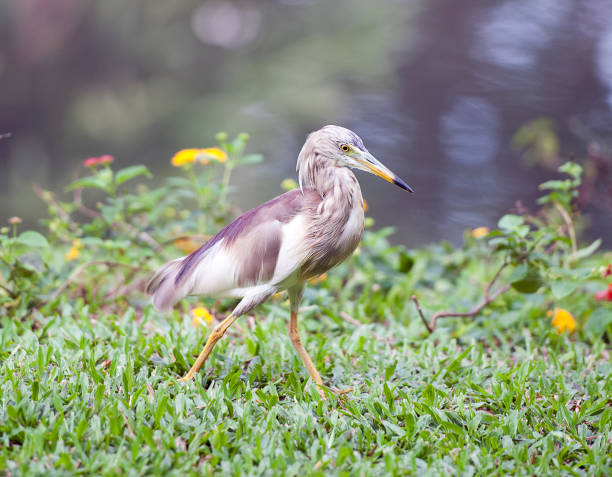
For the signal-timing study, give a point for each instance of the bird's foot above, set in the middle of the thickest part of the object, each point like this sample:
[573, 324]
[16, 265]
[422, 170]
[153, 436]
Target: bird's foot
[337, 392]
[185, 379]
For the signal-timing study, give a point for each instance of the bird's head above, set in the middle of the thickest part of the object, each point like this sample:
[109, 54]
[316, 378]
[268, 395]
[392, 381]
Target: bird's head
[341, 147]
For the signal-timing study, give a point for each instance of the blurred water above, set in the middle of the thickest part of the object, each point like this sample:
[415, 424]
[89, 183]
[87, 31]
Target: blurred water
[436, 89]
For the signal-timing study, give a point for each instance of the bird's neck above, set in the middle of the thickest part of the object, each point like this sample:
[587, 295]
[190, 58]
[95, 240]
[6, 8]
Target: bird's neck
[333, 183]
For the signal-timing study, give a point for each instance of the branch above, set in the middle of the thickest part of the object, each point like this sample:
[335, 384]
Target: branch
[487, 298]
[350, 319]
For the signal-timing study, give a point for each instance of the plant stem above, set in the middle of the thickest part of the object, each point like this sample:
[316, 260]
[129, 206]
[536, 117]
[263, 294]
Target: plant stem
[487, 298]
[570, 227]
[227, 173]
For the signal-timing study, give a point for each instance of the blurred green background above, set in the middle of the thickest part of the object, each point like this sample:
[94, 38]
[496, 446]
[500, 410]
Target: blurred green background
[437, 89]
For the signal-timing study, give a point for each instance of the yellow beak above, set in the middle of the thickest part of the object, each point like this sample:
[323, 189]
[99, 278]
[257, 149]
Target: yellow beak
[370, 164]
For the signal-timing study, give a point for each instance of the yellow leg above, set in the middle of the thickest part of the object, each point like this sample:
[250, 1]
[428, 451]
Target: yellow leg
[215, 336]
[297, 344]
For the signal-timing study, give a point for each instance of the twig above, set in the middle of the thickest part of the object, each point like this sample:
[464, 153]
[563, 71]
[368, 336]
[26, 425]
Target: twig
[493, 280]
[487, 298]
[346, 317]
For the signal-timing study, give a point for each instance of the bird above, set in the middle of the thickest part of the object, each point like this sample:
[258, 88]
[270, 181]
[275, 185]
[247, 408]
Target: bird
[280, 244]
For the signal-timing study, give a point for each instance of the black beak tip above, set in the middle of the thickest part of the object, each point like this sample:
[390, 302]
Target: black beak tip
[400, 183]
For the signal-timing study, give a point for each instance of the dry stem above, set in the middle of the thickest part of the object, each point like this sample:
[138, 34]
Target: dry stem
[487, 298]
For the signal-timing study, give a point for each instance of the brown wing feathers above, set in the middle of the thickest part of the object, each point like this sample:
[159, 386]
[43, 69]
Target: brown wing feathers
[254, 239]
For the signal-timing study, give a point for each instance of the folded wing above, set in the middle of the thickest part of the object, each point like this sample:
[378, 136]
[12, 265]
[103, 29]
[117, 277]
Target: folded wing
[254, 254]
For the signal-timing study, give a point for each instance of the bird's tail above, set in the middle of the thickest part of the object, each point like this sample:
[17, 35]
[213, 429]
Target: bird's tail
[166, 292]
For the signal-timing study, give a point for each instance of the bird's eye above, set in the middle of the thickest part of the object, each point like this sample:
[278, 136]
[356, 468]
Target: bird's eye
[345, 148]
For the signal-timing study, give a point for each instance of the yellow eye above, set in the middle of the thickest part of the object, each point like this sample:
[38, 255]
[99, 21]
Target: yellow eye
[345, 148]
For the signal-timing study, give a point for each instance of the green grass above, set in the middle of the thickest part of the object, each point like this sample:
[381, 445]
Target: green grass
[88, 370]
[84, 390]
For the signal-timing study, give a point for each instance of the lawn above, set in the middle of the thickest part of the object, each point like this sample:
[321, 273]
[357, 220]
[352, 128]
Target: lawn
[88, 383]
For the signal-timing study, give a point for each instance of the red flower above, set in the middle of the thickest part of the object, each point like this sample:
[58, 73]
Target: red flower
[608, 271]
[95, 161]
[604, 294]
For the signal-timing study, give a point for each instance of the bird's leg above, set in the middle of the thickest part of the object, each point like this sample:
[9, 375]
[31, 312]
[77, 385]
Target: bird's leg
[297, 344]
[216, 335]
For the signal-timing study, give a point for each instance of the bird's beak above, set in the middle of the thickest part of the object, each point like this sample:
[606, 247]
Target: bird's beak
[369, 163]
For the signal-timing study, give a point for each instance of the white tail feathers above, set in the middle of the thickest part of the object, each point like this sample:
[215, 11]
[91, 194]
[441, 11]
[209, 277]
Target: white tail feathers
[166, 292]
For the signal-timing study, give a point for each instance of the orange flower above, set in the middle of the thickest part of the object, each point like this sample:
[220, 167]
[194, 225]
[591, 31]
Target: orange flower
[318, 279]
[563, 320]
[201, 317]
[187, 244]
[479, 232]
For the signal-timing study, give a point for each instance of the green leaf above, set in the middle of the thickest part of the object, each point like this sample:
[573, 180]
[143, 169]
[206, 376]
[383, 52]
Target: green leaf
[455, 364]
[562, 288]
[406, 262]
[32, 238]
[588, 250]
[525, 279]
[571, 168]
[518, 273]
[32, 261]
[388, 396]
[101, 180]
[250, 159]
[599, 320]
[128, 173]
[510, 222]
[563, 185]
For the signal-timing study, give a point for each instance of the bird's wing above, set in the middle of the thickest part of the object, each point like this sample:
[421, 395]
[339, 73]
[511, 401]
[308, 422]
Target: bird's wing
[261, 248]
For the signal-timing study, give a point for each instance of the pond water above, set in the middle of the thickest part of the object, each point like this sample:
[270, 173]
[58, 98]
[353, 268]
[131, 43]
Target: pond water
[436, 89]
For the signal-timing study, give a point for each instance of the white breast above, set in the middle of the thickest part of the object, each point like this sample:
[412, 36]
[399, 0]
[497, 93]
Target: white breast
[352, 229]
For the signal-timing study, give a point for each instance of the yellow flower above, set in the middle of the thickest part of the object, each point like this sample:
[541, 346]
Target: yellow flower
[479, 232]
[201, 316]
[74, 251]
[187, 156]
[289, 184]
[211, 153]
[563, 320]
[184, 156]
